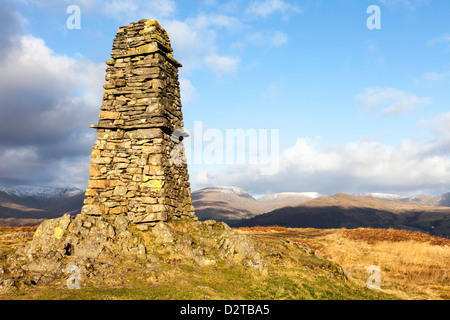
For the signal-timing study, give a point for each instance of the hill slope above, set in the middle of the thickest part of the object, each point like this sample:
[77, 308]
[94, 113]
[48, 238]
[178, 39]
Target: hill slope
[230, 204]
[300, 264]
[442, 200]
[290, 270]
[348, 211]
[25, 205]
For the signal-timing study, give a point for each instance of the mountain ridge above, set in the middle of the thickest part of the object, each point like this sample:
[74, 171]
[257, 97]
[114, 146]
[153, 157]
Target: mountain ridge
[28, 205]
[350, 211]
[438, 200]
[229, 204]
[22, 205]
[24, 191]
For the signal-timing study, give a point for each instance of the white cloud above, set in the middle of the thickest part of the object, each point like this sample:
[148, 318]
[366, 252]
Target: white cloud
[76, 172]
[266, 39]
[203, 21]
[279, 38]
[221, 64]
[15, 159]
[436, 76]
[445, 38]
[407, 4]
[441, 125]
[188, 91]
[47, 102]
[123, 11]
[34, 68]
[194, 39]
[120, 9]
[308, 159]
[268, 7]
[361, 166]
[195, 42]
[134, 10]
[391, 101]
[163, 8]
[440, 144]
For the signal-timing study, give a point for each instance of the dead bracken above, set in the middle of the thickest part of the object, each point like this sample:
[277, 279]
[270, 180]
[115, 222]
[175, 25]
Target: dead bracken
[374, 235]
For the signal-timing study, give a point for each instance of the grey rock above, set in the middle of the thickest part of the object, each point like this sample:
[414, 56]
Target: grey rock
[163, 233]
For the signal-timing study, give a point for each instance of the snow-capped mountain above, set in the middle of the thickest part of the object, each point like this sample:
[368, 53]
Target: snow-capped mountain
[286, 199]
[227, 203]
[439, 200]
[41, 192]
[235, 190]
[384, 196]
[29, 205]
[309, 195]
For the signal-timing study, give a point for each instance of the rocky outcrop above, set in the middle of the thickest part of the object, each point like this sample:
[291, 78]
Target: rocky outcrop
[71, 240]
[206, 243]
[96, 246]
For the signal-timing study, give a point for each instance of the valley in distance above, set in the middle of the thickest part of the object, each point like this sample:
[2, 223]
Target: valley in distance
[315, 247]
[428, 214]
[29, 206]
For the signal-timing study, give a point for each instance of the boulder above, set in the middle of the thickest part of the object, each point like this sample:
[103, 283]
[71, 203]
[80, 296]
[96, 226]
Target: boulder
[163, 233]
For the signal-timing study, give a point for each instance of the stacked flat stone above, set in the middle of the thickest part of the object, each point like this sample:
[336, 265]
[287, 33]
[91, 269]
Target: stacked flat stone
[137, 162]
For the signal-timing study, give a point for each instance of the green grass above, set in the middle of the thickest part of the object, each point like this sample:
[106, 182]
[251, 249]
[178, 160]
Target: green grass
[290, 274]
[217, 283]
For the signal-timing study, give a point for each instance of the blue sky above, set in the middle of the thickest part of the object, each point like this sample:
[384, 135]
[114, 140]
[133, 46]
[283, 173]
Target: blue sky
[357, 109]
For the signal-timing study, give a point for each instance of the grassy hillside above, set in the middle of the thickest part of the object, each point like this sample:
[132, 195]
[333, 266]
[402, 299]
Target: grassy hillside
[412, 268]
[413, 265]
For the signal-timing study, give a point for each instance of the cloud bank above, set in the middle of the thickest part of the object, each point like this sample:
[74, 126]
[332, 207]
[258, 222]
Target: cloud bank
[412, 166]
[47, 102]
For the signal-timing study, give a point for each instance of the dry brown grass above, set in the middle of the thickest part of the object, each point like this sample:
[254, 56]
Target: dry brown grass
[376, 235]
[18, 229]
[262, 229]
[413, 265]
[12, 238]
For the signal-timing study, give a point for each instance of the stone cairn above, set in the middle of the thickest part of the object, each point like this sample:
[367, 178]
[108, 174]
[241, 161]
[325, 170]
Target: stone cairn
[137, 163]
[138, 180]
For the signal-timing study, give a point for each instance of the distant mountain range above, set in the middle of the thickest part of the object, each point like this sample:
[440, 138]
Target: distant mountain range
[231, 203]
[23, 205]
[442, 200]
[28, 205]
[349, 211]
[312, 210]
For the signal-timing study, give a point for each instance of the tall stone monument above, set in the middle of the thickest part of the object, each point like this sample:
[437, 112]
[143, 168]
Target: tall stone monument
[137, 162]
[138, 178]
